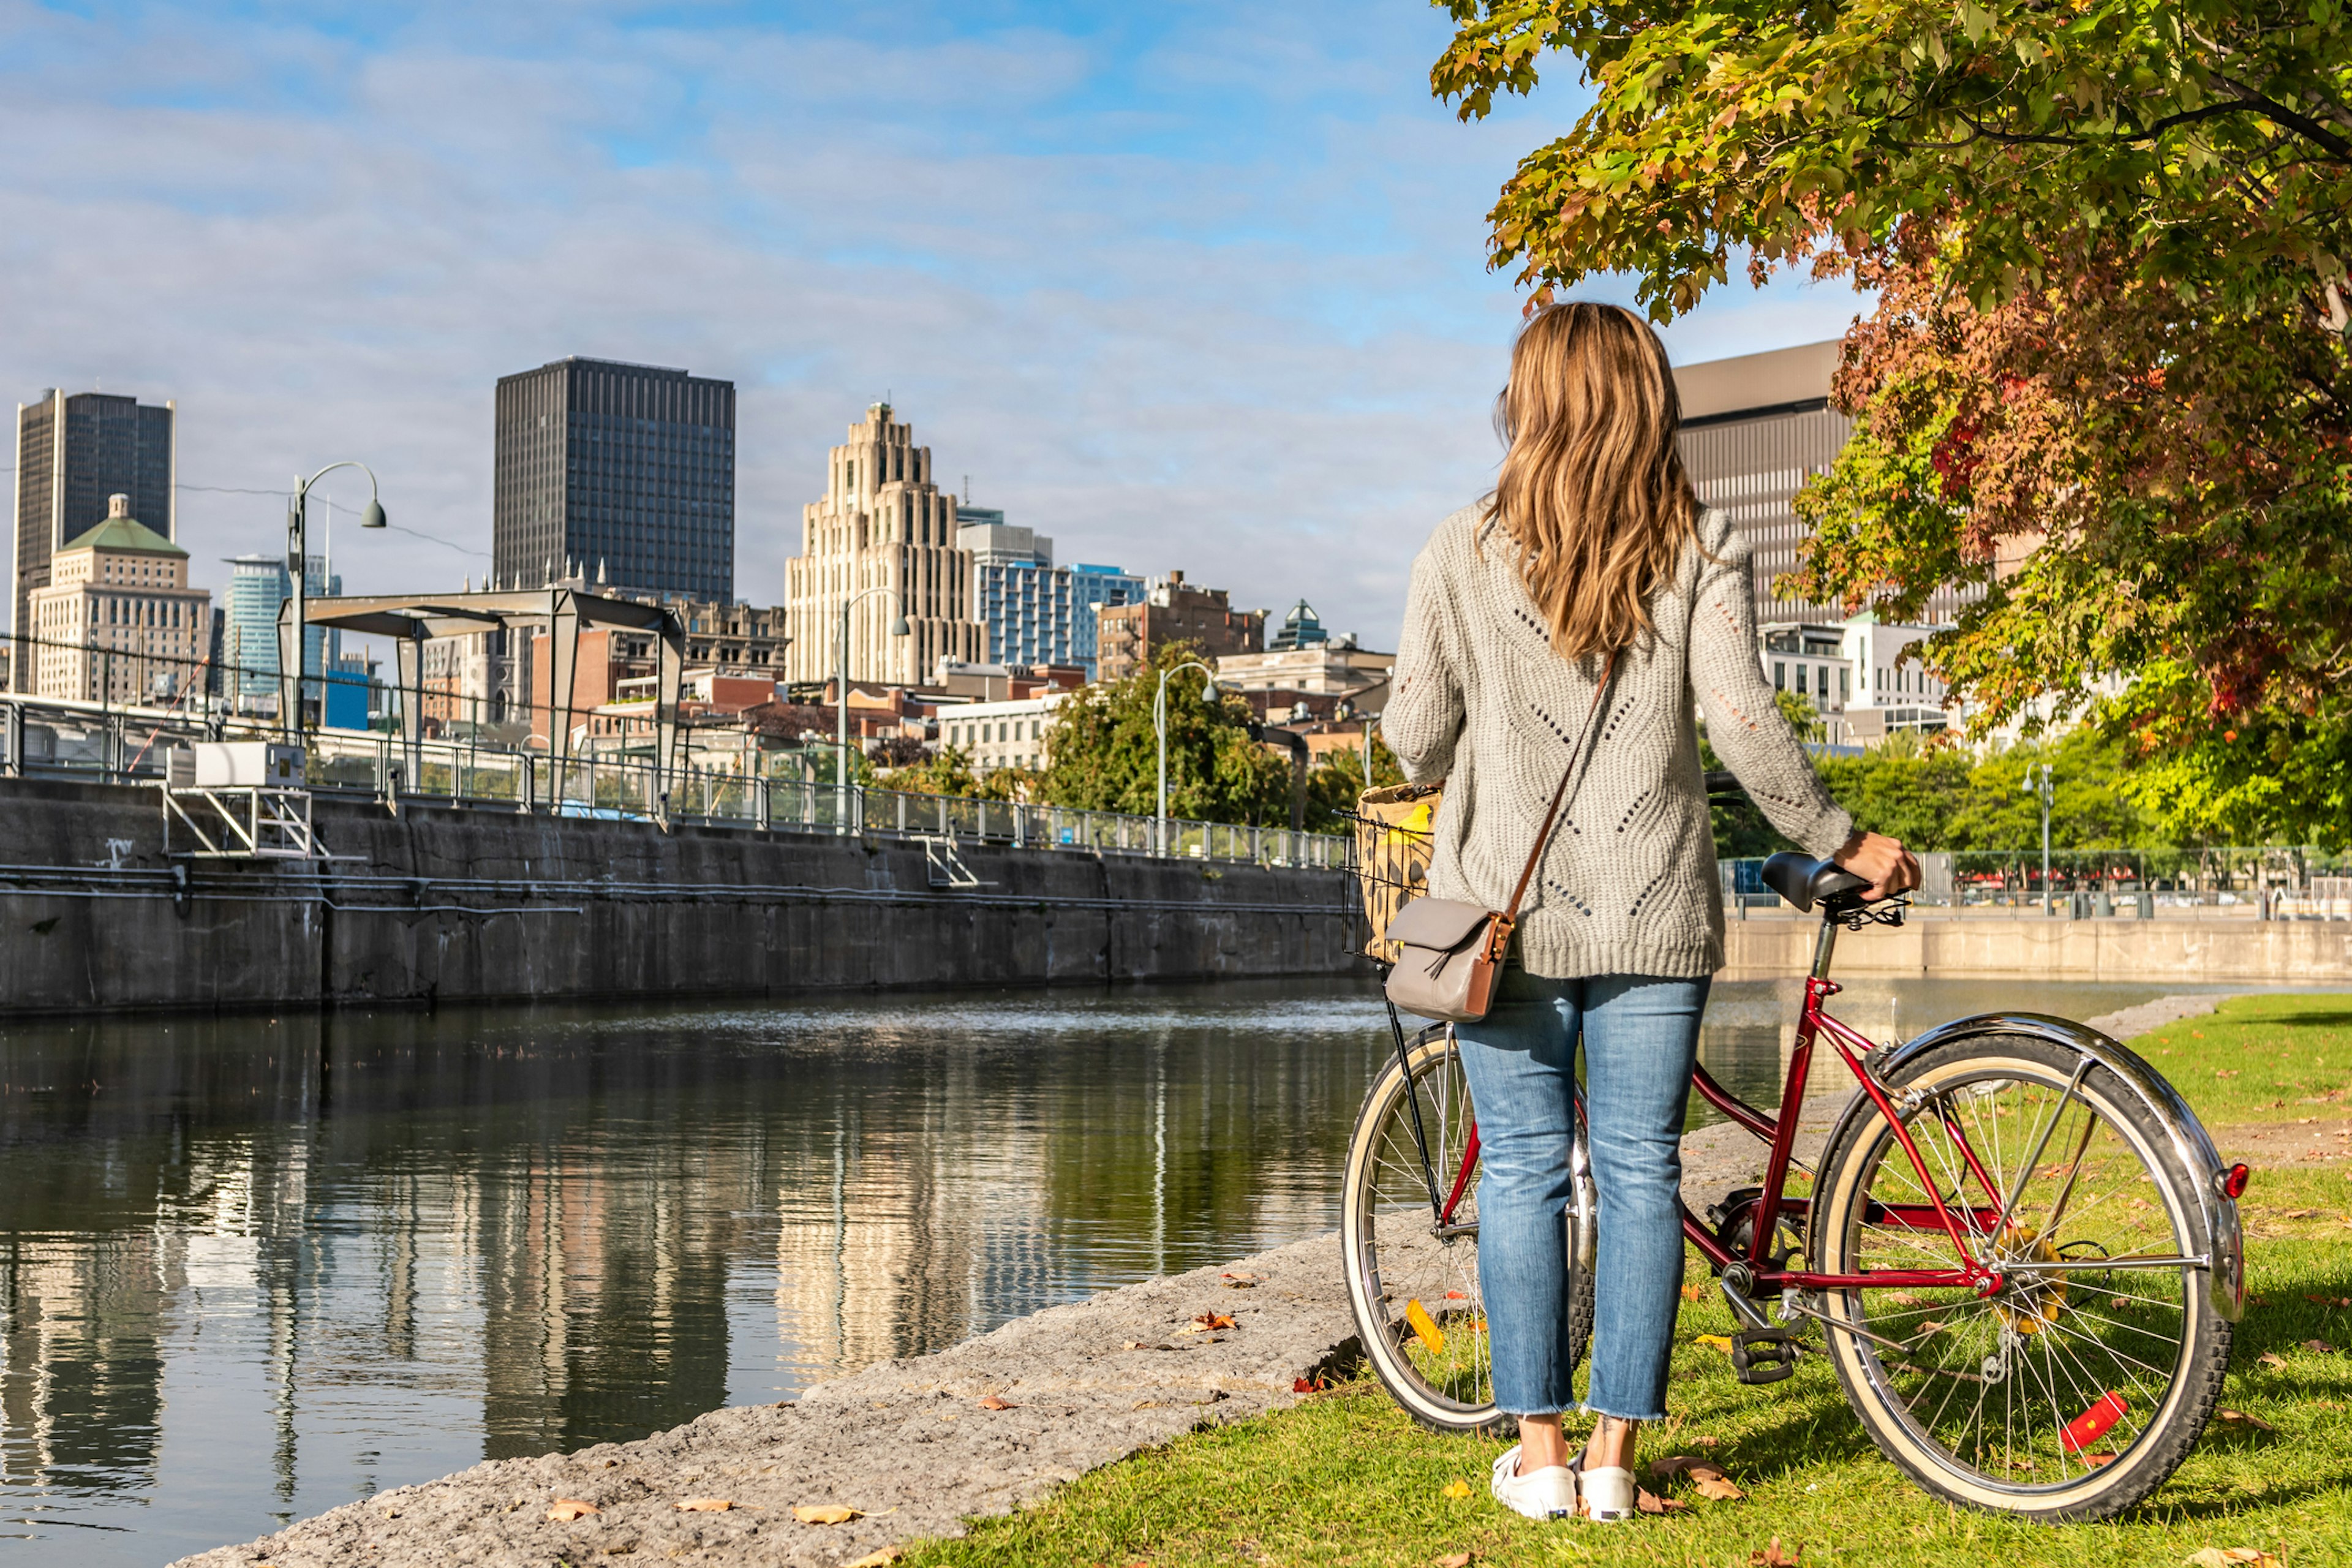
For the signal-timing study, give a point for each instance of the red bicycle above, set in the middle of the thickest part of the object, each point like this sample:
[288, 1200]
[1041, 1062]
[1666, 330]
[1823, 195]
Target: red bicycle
[2020, 1251]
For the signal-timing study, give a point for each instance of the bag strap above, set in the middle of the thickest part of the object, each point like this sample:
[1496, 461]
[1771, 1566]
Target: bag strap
[1559, 795]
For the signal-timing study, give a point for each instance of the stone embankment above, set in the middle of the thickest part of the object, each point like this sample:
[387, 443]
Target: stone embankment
[918, 1446]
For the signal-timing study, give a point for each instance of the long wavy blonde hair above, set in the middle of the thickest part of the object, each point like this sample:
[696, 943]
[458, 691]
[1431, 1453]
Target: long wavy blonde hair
[1592, 491]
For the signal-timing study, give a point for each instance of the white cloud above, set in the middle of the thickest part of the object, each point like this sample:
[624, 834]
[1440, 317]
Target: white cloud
[1214, 303]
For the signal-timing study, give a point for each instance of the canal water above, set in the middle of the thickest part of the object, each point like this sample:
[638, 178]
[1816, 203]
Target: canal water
[251, 1268]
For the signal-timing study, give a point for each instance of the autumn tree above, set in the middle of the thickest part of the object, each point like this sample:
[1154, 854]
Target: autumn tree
[2104, 384]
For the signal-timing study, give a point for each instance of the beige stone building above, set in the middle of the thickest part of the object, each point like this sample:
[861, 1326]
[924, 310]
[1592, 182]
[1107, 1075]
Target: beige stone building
[882, 523]
[117, 622]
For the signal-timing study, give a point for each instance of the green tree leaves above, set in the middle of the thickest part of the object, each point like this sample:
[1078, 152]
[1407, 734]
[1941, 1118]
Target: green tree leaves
[1102, 752]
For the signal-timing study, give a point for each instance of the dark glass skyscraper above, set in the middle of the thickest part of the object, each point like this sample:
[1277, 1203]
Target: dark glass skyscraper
[623, 470]
[73, 451]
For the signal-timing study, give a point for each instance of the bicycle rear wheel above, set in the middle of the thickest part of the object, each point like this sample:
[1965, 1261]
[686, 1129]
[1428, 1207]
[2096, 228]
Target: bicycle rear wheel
[1413, 1283]
[2078, 1388]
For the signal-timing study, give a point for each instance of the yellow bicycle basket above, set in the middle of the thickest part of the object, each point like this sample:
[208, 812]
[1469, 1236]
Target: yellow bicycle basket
[1393, 835]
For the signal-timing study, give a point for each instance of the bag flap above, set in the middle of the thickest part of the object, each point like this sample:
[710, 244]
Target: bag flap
[1441, 923]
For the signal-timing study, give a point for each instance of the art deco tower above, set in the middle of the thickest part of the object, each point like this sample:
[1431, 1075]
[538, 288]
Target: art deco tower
[882, 525]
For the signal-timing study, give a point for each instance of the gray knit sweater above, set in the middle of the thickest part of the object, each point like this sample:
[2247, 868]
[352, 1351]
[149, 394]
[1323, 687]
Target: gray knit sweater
[1480, 701]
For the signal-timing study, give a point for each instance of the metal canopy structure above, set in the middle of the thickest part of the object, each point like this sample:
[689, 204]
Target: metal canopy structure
[411, 619]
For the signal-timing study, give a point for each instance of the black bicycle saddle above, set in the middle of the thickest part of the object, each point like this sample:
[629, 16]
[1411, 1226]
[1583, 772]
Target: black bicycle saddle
[1805, 881]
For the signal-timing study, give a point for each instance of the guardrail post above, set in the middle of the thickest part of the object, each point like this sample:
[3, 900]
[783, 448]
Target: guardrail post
[15, 741]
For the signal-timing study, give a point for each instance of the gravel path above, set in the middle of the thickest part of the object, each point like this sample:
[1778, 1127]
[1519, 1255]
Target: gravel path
[910, 1445]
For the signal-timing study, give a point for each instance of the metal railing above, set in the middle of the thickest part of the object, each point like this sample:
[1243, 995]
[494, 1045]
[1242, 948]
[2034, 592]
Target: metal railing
[48, 738]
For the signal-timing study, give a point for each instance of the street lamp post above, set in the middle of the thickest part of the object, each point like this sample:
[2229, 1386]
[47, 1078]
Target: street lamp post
[2037, 784]
[898, 629]
[1160, 724]
[298, 561]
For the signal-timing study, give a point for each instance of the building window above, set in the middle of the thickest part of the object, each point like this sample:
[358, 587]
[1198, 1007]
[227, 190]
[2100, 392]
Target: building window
[1780, 676]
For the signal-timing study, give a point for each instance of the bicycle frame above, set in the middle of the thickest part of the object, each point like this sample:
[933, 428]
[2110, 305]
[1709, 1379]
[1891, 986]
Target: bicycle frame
[1813, 1024]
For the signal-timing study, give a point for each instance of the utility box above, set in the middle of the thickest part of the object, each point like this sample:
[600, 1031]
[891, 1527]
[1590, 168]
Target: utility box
[237, 764]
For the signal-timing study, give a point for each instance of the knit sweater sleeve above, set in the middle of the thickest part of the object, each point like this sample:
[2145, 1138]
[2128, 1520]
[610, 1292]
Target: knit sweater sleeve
[1424, 712]
[1744, 723]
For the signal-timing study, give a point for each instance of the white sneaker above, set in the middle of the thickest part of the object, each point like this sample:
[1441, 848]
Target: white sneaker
[1606, 1495]
[1547, 1493]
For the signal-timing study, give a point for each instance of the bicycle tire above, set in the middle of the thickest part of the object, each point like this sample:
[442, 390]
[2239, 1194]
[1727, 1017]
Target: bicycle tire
[1393, 1262]
[2064, 1345]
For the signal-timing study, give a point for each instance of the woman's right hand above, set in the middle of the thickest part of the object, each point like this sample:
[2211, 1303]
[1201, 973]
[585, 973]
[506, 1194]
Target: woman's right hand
[1882, 861]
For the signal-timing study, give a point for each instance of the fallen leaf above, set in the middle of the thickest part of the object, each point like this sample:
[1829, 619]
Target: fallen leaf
[2239, 1418]
[1456, 1489]
[1648, 1501]
[1673, 1466]
[2226, 1072]
[1904, 1298]
[1932, 1327]
[1243, 1275]
[992, 1402]
[1715, 1341]
[819, 1512]
[2319, 1347]
[2331, 1300]
[882, 1559]
[2272, 1359]
[721, 1505]
[1773, 1557]
[1208, 1320]
[1694, 1292]
[1714, 1485]
[1454, 1560]
[1706, 1442]
[2298, 1213]
[567, 1509]
[2093, 1461]
[1302, 1385]
[2229, 1556]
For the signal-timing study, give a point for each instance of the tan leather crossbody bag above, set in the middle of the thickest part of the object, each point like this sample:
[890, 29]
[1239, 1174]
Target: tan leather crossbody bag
[1450, 953]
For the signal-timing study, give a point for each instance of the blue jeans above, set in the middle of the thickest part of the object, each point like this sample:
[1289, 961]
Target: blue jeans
[1639, 1036]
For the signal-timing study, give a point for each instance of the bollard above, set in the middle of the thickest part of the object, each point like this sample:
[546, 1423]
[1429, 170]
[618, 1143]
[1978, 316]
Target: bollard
[2147, 903]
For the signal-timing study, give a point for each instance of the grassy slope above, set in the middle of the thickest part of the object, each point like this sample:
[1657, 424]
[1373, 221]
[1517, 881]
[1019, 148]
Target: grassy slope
[1346, 1479]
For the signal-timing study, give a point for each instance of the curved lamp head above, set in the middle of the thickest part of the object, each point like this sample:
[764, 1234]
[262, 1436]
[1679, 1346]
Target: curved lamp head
[899, 628]
[373, 516]
[1209, 691]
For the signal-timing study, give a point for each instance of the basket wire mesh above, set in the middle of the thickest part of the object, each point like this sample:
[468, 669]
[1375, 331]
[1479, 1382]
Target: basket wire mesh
[1393, 832]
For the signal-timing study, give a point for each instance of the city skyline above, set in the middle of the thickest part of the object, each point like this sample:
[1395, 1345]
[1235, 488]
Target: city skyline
[1209, 270]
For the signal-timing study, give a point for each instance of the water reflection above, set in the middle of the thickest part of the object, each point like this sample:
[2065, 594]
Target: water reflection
[251, 1268]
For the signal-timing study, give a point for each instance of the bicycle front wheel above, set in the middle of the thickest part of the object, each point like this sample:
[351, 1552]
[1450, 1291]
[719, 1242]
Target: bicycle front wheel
[2078, 1388]
[1413, 1277]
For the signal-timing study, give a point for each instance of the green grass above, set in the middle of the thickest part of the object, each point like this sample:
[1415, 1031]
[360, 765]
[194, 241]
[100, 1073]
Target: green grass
[1346, 1479]
[2260, 1058]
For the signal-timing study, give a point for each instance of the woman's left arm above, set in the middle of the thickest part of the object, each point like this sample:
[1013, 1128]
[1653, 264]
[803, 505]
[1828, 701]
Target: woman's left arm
[1424, 713]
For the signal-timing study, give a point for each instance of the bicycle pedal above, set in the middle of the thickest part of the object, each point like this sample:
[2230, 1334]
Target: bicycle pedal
[1762, 1355]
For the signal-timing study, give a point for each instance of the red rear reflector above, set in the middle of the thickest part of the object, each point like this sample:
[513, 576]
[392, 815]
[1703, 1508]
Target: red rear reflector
[2093, 1423]
[2233, 1181]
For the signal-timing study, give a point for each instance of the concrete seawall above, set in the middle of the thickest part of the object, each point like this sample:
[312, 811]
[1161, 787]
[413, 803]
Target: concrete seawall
[434, 904]
[2161, 950]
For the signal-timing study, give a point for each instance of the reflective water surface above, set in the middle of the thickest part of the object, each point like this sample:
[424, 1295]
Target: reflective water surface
[251, 1268]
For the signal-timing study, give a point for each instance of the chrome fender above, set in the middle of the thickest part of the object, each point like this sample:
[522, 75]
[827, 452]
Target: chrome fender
[2225, 1242]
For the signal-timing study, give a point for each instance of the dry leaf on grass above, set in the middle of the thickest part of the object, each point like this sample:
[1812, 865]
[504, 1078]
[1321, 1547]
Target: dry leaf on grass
[882, 1559]
[1715, 1341]
[1454, 1560]
[1705, 1474]
[1651, 1502]
[567, 1509]
[1904, 1298]
[2331, 1300]
[993, 1403]
[2319, 1347]
[2230, 1557]
[2272, 1359]
[2297, 1213]
[1456, 1489]
[1774, 1556]
[823, 1512]
[1706, 1442]
[2239, 1418]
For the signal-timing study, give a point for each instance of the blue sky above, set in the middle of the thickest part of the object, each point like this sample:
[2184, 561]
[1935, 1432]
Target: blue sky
[1182, 285]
